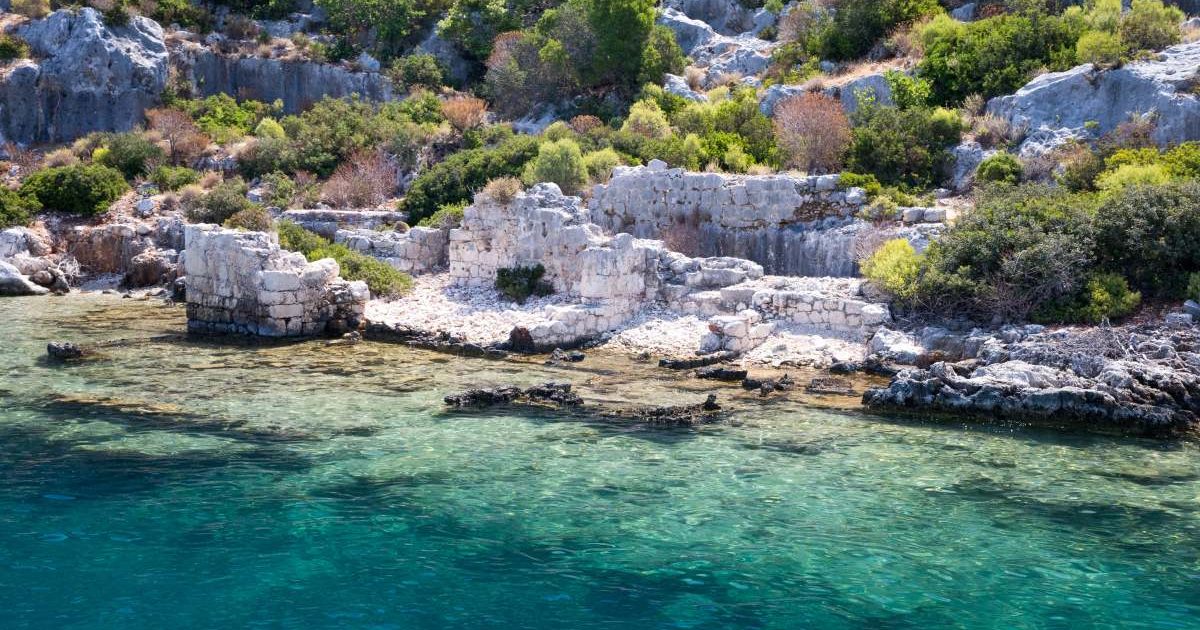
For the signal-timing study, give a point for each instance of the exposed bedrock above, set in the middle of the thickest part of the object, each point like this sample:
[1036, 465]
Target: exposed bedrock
[1140, 380]
[1085, 101]
[791, 225]
[296, 83]
[243, 283]
[87, 77]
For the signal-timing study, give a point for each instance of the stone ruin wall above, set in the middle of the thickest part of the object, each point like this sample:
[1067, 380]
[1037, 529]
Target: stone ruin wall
[791, 225]
[416, 251]
[243, 283]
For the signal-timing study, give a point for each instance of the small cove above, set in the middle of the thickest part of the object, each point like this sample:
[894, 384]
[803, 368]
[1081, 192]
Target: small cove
[177, 482]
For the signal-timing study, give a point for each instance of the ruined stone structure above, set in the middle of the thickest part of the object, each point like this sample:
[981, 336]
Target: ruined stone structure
[416, 250]
[791, 225]
[243, 283]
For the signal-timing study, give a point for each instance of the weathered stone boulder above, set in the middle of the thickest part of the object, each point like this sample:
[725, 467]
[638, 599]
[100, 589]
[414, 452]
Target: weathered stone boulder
[967, 158]
[151, 267]
[743, 56]
[12, 282]
[678, 86]
[690, 33]
[243, 283]
[458, 69]
[727, 17]
[1085, 101]
[872, 86]
[87, 77]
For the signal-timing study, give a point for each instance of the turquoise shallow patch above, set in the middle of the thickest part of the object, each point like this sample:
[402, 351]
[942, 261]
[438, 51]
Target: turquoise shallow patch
[182, 484]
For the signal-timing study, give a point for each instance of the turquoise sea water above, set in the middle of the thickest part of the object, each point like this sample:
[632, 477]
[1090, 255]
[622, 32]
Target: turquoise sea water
[176, 484]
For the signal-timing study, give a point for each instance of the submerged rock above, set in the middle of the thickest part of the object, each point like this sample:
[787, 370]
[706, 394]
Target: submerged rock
[65, 351]
[677, 415]
[556, 394]
[719, 373]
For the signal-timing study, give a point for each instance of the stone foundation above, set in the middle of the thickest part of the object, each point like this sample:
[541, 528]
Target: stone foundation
[243, 283]
[416, 251]
[328, 222]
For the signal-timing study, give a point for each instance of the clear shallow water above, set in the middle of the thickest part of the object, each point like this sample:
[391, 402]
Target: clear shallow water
[182, 484]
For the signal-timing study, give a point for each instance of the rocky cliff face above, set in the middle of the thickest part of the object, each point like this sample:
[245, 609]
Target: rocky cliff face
[1085, 101]
[296, 83]
[87, 77]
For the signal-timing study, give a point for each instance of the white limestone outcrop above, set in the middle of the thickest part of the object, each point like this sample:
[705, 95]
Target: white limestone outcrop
[1085, 101]
[243, 283]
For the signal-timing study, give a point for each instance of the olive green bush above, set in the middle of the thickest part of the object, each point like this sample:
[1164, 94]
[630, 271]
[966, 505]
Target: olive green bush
[80, 189]
[16, 208]
[519, 283]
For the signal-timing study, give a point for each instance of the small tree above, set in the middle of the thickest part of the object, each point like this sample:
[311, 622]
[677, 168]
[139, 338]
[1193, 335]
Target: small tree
[646, 119]
[560, 162]
[1150, 25]
[182, 139]
[813, 131]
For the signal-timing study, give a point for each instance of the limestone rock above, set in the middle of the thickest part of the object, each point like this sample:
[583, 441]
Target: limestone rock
[965, 13]
[88, 77]
[1085, 100]
[690, 34]
[458, 68]
[727, 17]
[678, 86]
[12, 282]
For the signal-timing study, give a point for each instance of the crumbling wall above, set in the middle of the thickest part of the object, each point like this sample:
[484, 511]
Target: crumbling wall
[417, 250]
[243, 283]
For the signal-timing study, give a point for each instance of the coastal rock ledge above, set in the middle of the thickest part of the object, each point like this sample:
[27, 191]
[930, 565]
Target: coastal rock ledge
[243, 283]
[1132, 380]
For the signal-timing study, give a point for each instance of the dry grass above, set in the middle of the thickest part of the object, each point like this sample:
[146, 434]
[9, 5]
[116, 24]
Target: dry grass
[694, 77]
[366, 180]
[501, 191]
[210, 179]
[26, 160]
[464, 112]
[585, 123]
[60, 157]
[32, 9]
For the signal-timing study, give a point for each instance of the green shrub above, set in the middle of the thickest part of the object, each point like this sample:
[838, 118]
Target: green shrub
[1106, 297]
[329, 132]
[417, 70]
[455, 179]
[858, 24]
[646, 119]
[1193, 287]
[1148, 235]
[894, 268]
[474, 24]
[79, 189]
[183, 13]
[447, 217]
[131, 153]
[1149, 25]
[908, 91]
[222, 202]
[661, 55]
[518, 283]
[281, 189]
[382, 279]
[558, 162]
[269, 128]
[294, 238]
[1100, 48]
[1183, 161]
[254, 219]
[1128, 175]
[167, 178]
[117, 15]
[897, 146]
[1001, 167]
[12, 47]
[225, 119]
[994, 55]
[599, 164]
[868, 183]
[265, 155]
[16, 208]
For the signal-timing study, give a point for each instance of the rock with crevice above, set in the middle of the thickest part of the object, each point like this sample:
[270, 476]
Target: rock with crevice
[1087, 101]
[86, 77]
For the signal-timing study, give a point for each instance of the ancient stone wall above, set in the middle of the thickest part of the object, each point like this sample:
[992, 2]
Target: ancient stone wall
[416, 251]
[243, 283]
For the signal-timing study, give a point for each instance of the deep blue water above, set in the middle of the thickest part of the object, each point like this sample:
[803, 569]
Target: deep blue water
[173, 484]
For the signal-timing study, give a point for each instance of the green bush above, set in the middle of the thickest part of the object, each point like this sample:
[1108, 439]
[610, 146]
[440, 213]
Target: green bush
[294, 238]
[1193, 287]
[79, 189]
[223, 118]
[518, 283]
[474, 24]
[12, 47]
[1128, 175]
[1149, 25]
[909, 146]
[908, 91]
[858, 24]
[1106, 297]
[281, 189]
[265, 155]
[222, 202]
[167, 178]
[269, 128]
[662, 55]
[558, 162]
[183, 13]
[254, 219]
[1100, 48]
[329, 132]
[16, 208]
[447, 217]
[455, 179]
[894, 267]
[1001, 167]
[382, 279]
[599, 164]
[417, 70]
[646, 119]
[131, 153]
[1148, 235]
[992, 56]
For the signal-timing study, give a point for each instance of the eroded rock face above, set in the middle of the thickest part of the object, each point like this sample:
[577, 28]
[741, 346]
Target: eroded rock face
[243, 283]
[727, 17]
[1139, 380]
[88, 77]
[1085, 101]
[298, 84]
